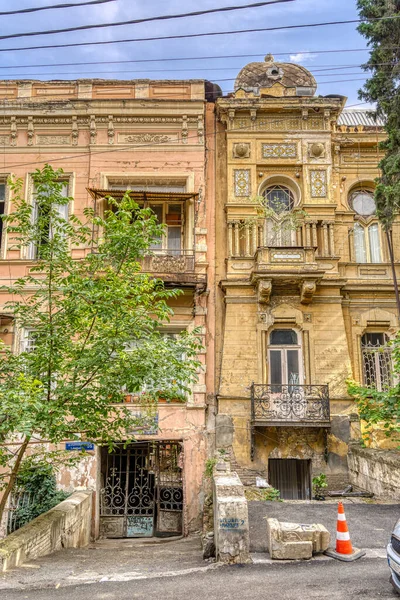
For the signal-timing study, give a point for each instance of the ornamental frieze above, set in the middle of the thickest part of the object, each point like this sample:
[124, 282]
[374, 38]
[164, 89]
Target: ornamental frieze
[53, 140]
[146, 138]
[279, 150]
[4, 140]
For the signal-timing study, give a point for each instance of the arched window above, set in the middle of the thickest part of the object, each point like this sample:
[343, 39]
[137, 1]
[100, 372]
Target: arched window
[285, 364]
[367, 245]
[362, 202]
[280, 229]
[376, 360]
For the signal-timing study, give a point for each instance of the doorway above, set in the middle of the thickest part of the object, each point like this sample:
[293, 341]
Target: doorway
[291, 476]
[141, 491]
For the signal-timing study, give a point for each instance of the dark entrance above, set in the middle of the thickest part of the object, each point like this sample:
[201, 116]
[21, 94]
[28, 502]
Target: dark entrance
[142, 492]
[291, 477]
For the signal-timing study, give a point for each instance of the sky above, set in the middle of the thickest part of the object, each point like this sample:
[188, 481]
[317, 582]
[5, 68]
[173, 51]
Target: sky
[292, 43]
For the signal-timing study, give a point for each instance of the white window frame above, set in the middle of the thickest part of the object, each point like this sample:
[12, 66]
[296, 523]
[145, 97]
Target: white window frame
[283, 348]
[3, 239]
[27, 340]
[367, 242]
[65, 210]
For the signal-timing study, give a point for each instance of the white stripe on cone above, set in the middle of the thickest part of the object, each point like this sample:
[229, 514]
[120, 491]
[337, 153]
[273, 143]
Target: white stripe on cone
[343, 536]
[341, 517]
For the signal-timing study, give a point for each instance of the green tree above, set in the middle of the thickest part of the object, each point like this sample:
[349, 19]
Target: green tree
[381, 28]
[92, 325]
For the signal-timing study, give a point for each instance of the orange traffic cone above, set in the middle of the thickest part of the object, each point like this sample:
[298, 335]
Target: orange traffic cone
[343, 542]
[344, 549]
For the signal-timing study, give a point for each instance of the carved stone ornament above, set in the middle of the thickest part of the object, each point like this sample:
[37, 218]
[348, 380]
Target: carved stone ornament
[53, 140]
[264, 291]
[318, 184]
[242, 182]
[316, 150]
[144, 138]
[279, 150]
[307, 291]
[241, 150]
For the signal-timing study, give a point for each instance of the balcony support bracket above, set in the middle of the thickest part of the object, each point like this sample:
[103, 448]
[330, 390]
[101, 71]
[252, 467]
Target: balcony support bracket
[307, 290]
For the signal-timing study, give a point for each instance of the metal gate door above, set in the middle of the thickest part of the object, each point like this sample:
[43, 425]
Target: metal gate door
[142, 493]
[291, 476]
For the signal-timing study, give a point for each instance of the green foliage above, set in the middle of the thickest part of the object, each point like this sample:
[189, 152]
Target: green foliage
[380, 408]
[96, 319]
[271, 495]
[39, 483]
[382, 88]
[319, 483]
[210, 464]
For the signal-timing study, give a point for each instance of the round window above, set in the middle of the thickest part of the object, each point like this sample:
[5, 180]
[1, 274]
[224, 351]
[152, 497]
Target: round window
[363, 203]
[279, 198]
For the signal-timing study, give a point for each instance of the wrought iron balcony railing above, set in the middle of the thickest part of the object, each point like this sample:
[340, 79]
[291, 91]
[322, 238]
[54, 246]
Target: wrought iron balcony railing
[298, 405]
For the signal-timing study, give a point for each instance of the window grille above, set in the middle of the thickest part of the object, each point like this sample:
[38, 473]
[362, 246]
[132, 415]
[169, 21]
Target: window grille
[376, 361]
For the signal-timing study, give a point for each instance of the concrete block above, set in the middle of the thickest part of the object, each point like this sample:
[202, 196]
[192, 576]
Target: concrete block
[295, 541]
[231, 519]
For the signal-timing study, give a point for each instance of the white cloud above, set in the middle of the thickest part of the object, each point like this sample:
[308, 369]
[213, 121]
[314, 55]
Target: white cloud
[301, 57]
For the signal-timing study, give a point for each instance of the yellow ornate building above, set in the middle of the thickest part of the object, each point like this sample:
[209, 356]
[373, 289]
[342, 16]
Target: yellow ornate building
[305, 291]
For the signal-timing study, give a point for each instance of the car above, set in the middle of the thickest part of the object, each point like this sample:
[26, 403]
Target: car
[393, 556]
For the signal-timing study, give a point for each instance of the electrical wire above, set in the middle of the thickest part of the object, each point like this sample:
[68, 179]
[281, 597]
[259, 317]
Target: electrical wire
[21, 11]
[142, 20]
[173, 59]
[186, 35]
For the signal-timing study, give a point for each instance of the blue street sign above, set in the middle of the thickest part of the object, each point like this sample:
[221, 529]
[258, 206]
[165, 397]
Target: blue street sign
[79, 446]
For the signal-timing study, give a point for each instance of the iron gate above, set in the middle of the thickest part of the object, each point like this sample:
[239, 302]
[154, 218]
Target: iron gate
[142, 492]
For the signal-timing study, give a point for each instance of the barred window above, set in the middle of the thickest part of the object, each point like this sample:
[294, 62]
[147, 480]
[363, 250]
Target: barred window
[376, 361]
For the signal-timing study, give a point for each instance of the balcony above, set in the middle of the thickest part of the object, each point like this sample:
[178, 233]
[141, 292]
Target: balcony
[290, 405]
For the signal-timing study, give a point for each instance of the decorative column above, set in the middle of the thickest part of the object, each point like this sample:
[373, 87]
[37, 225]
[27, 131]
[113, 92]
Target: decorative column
[314, 234]
[254, 231]
[325, 239]
[261, 237]
[351, 245]
[247, 239]
[230, 239]
[237, 241]
[308, 234]
[332, 238]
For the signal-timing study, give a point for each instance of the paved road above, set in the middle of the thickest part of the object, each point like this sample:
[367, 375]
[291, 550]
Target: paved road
[366, 579]
[370, 525]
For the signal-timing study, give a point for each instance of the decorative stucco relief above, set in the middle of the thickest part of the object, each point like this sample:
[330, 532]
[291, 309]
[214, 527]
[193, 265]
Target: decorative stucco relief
[318, 184]
[53, 140]
[145, 138]
[279, 150]
[242, 182]
[4, 140]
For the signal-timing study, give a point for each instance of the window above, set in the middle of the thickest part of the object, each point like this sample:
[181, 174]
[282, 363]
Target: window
[376, 360]
[171, 215]
[279, 229]
[285, 366]
[367, 246]
[28, 340]
[362, 202]
[2, 206]
[280, 198]
[46, 233]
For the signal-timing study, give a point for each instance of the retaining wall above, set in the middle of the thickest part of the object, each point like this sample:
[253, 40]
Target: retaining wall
[376, 471]
[67, 525]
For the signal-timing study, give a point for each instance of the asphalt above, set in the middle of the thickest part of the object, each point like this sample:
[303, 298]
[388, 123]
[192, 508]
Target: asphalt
[370, 524]
[138, 568]
[366, 579]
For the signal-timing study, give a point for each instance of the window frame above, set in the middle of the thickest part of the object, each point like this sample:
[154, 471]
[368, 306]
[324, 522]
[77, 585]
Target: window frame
[376, 352]
[283, 349]
[367, 242]
[68, 179]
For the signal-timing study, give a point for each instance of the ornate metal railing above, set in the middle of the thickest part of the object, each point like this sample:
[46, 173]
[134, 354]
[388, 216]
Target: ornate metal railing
[290, 404]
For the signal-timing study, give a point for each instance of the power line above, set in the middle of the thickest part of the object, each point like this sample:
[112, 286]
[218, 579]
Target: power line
[143, 20]
[189, 35]
[51, 7]
[173, 59]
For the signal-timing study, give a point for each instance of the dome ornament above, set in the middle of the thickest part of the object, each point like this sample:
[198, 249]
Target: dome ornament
[269, 59]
